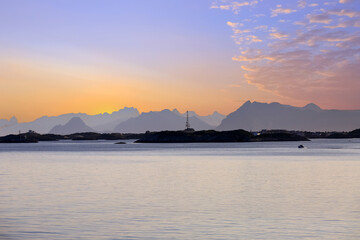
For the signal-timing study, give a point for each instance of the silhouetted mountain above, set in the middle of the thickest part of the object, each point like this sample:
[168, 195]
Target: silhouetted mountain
[104, 122]
[213, 119]
[8, 123]
[159, 121]
[257, 116]
[251, 116]
[312, 106]
[75, 125]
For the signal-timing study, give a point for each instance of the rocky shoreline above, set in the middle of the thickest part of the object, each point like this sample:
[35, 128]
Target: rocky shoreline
[33, 137]
[216, 136]
[181, 136]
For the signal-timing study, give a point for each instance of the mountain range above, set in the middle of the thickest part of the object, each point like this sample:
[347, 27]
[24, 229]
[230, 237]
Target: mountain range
[256, 116]
[213, 119]
[4, 123]
[99, 122]
[253, 116]
[75, 125]
[109, 122]
[158, 121]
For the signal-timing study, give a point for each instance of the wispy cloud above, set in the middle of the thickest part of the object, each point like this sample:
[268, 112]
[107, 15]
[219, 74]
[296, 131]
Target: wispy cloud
[316, 60]
[233, 5]
[234, 25]
[313, 5]
[345, 1]
[344, 12]
[277, 35]
[302, 3]
[346, 24]
[253, 38]
[319, 18]
[261, 27]
[280, 10]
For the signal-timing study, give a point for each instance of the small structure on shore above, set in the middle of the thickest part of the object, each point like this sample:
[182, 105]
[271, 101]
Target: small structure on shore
[187, 124]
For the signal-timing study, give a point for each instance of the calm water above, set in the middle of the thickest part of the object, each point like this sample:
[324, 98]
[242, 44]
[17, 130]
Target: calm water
[99, 190]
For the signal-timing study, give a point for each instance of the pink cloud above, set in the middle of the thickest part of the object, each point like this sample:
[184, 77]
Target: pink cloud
[319, 18]
[344, 12]
[345, 1]
[315, 61]
[301, 75]
[233, 5]
[281, 10]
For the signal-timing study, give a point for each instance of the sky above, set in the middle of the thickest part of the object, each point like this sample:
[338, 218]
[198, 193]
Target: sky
[90, 56]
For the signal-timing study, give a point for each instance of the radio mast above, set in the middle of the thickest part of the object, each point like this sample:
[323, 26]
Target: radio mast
[187, 125]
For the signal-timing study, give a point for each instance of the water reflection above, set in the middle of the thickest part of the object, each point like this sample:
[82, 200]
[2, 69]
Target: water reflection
[208, 192]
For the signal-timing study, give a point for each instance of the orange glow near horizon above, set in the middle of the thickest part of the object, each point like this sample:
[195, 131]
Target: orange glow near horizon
[36, 89]
[69, 57]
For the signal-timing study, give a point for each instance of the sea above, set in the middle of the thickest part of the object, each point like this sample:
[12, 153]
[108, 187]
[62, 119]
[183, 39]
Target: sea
[101, 190]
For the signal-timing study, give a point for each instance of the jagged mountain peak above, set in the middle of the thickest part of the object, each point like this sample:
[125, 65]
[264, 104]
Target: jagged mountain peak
[159, 121]
[74, 120]
[257, 116]
[176, 111]
[312, 106]
[74, 125]
[13, 120]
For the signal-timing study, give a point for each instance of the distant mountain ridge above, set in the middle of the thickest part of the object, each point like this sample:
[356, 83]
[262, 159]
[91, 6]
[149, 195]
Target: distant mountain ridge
[8, 123]
[257, 116]
[250, 116]
[212, 119]
[75, 125]
[160, 121]
[104, 122]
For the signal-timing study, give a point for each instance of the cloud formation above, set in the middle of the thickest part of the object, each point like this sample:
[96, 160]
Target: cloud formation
[312, 53]
[301, 3]
[345, 1]
[277, 35]
[233, 5]
[319, 18]
[280, 10]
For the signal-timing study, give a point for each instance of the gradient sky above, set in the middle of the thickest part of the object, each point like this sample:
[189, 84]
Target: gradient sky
[98, 56]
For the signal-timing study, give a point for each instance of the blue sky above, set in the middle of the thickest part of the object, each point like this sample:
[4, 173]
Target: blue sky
[198, 55]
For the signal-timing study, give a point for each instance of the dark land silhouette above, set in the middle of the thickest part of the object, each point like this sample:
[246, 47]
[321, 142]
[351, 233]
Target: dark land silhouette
[33, 137]
[182, 136]
[216, 136]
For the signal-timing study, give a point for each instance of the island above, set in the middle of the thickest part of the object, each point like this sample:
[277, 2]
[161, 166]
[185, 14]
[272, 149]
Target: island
[184, 136]
[33, 137]
[216, 136]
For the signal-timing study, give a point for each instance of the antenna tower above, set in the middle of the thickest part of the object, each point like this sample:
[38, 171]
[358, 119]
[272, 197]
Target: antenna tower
[187, 125]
